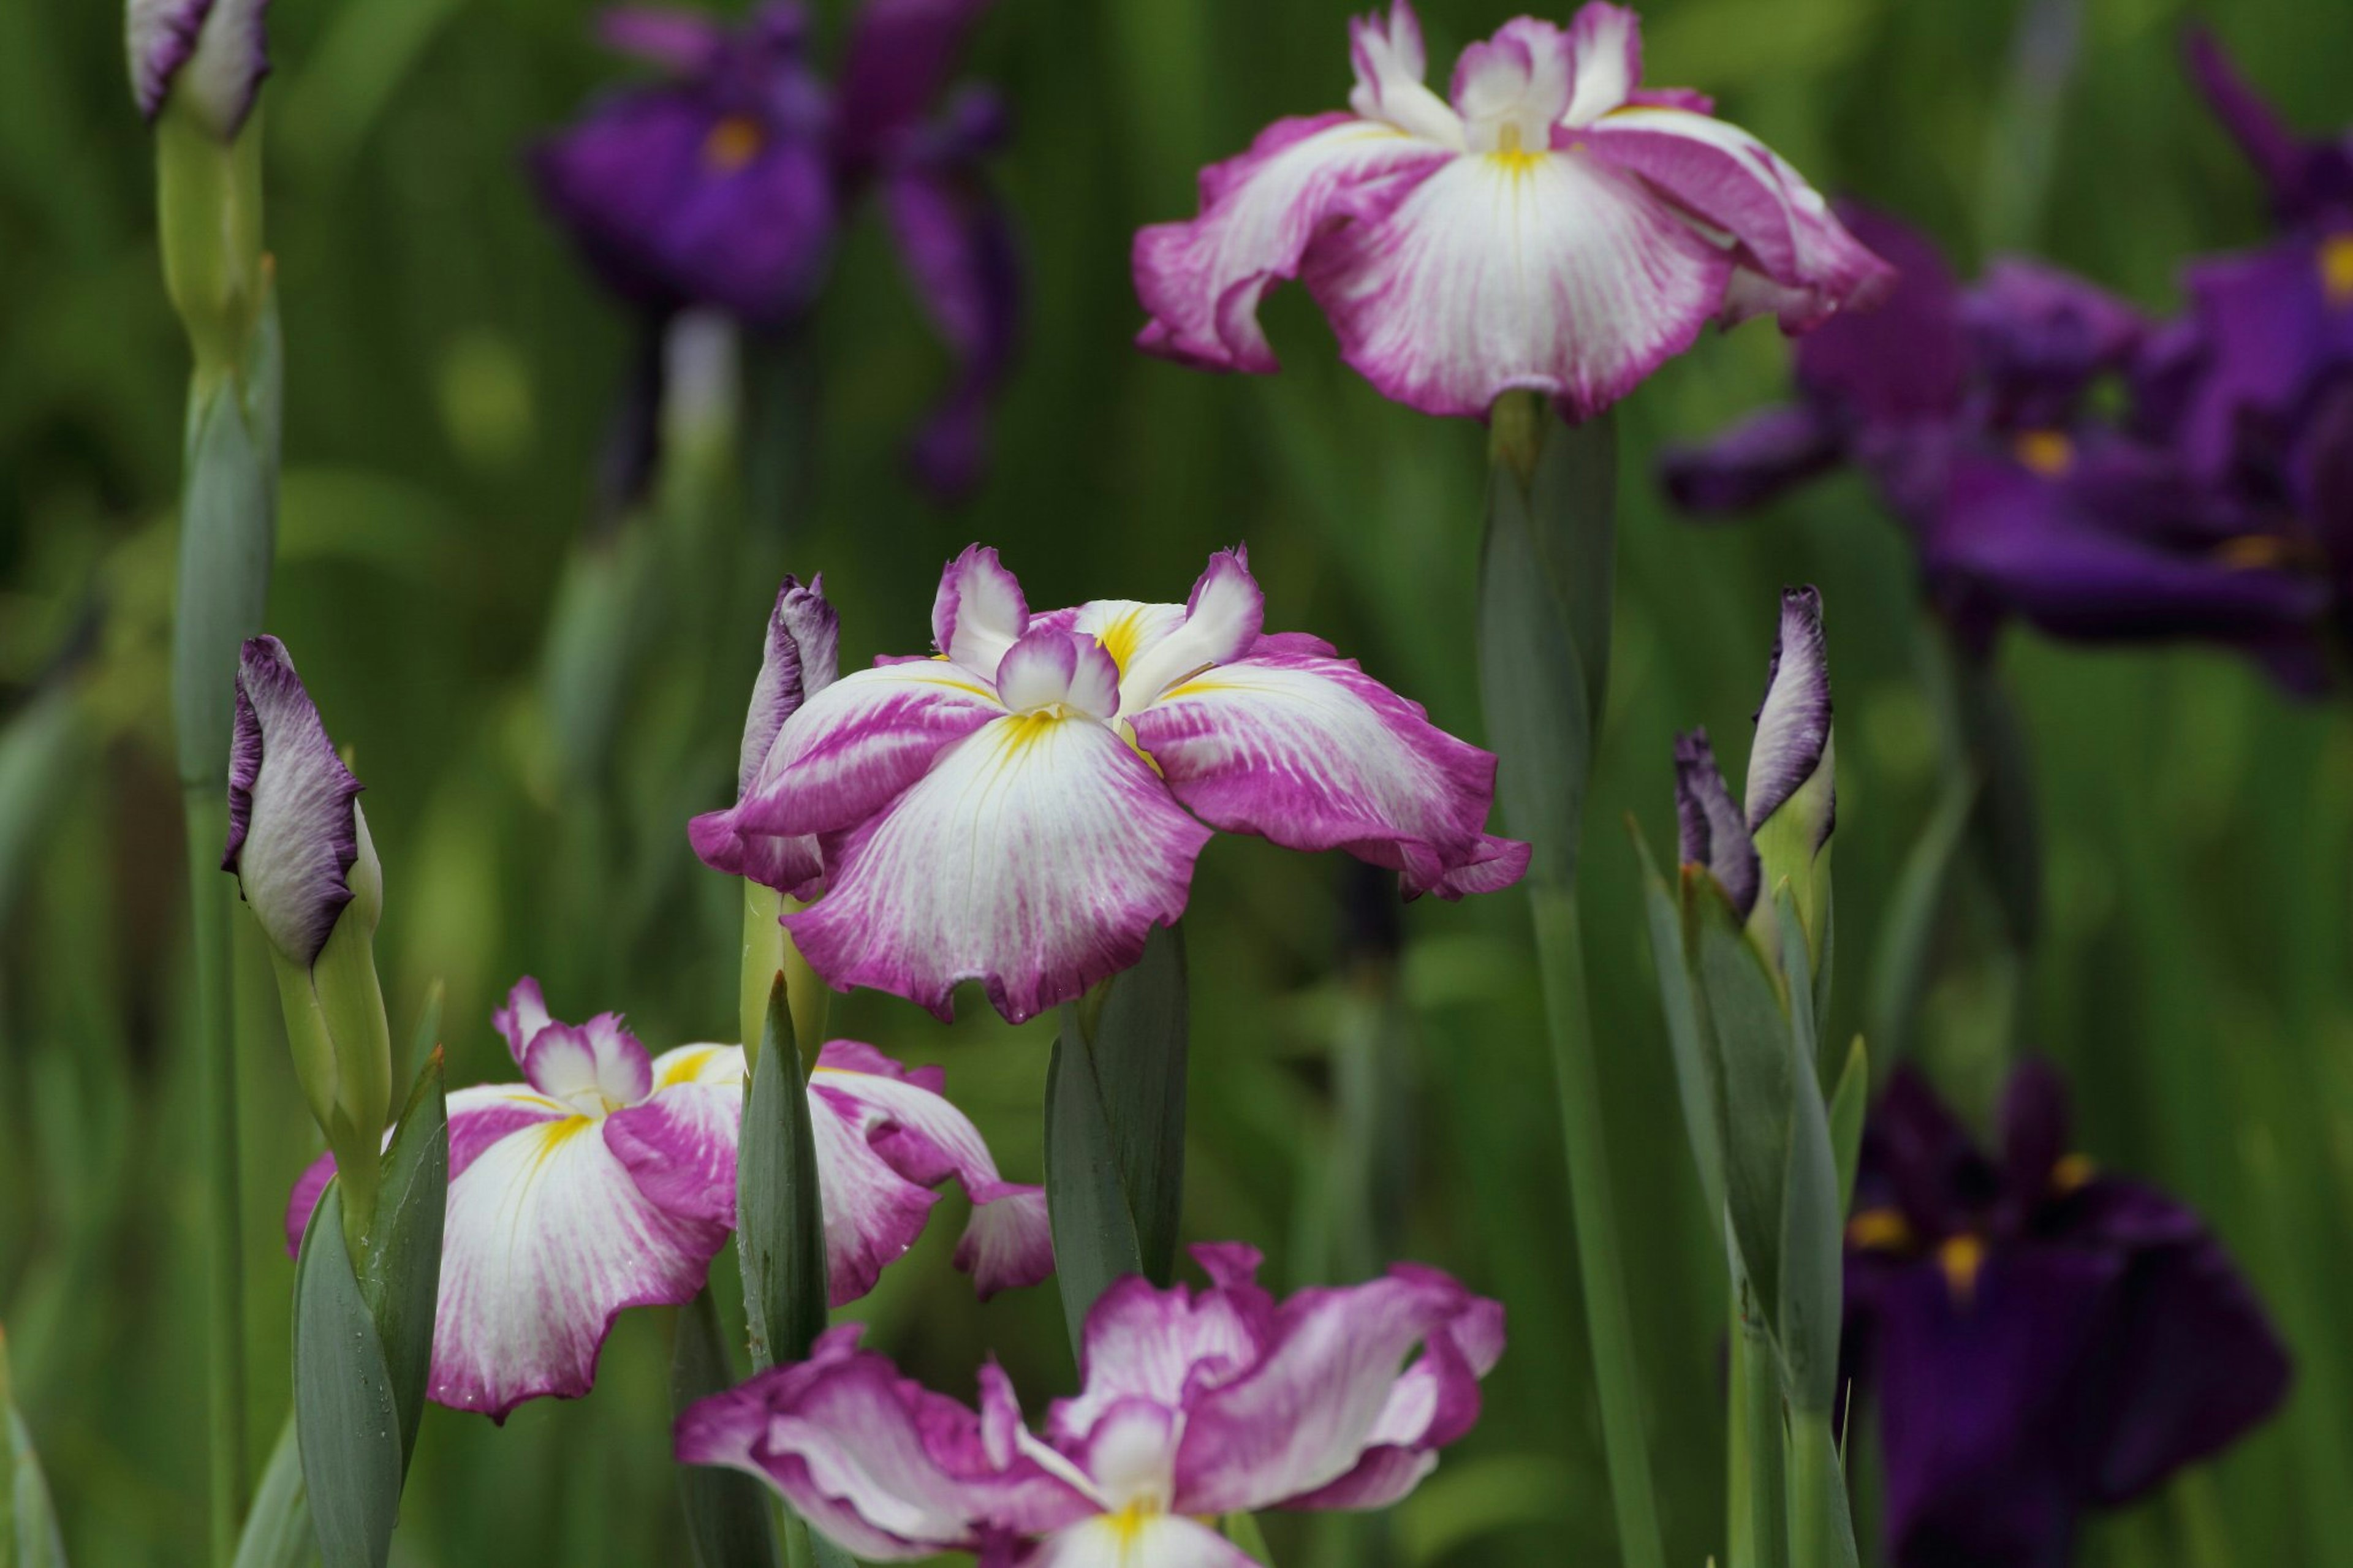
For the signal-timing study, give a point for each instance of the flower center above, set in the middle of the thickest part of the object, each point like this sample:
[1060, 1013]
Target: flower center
[732, 142]
[2336, 269]
[2049, 453]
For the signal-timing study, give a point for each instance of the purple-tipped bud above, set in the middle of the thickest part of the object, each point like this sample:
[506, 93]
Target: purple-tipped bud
[1713, 835]
[208, 57]
[295, 831]
[799, 660]
[1791, 767]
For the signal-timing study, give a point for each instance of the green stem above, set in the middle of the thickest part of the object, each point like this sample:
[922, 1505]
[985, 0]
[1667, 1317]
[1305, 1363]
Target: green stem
[206, 812]
[1821, 1532]
[1756, 1499]
[1560, 957]
[768, 952]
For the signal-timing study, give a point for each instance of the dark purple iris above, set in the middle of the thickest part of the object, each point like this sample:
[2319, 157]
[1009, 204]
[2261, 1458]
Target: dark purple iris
[2040, 1337]
[1978, 412]
[724, 185]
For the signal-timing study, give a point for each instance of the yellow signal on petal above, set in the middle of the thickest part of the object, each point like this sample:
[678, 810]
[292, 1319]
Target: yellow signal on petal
[1878, 1230]
[2071, 1173]
[1119, 638]
[733, 143]
[2337, 271]
[1961, 1257]
[2049, 453]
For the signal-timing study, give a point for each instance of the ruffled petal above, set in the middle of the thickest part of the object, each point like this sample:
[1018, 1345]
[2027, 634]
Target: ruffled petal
[1553, 272]
[1220, 623]
[1732, 181]
[1200, 281]
[1303, 1415]
[862, 741]
[1434, 1403]
[1606, 42]
[1142, 1342]
[478, 1117]
[1035, 856]
[523, 1017]
[978, 613]
[293, 816]
[680, 1145]
[548, 1240]
[1315, 754]
[1391, 66]
[597, 1067]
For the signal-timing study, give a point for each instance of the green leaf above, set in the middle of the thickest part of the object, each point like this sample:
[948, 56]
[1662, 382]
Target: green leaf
[345, 1415]
[1849, 1100]
[780, 1236]
[427, 1033]
[37, 751]
[1545, 578]
[1115, 1130]
[1698, 1076]
[28, 1520]
[401, 1281]
[1242, 1529]
[277, 1531]
[1900, 966]
[727, 1517]
[1749, 1033]
[1813, 1232]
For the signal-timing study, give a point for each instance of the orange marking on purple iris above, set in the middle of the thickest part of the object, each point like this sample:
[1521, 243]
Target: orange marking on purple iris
[2336, 269]
[2049, 453]
[733, 143]
[1879, 1231]
[1961, 1257]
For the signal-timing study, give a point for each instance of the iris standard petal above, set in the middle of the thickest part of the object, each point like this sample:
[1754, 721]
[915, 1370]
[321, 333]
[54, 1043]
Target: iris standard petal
[1201, 281]
[1313, 754]
[979, 612]
[1554, 272]
[1035, 856]
[523, 1017]
[1391, 67]
[596, 1066]
[862, 741]
[1219, 623]
[293, 813]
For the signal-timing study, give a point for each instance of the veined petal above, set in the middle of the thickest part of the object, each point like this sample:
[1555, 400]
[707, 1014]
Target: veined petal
[294, 817]
[548, 1240]
[478, 1118]
[978, 613]
[873, 1212]
[1714, 835]
[680, 1145]
[523, 1017]
[1554, 272]
[1315, 754]
[1793, 721]
[1132, 1539]
[1221, 622]
[1049, 666]
[211, 54]
[597, 1067]
[1303, 1415]
[1201, 281]
[1034, 856]
[1606, 42]
[906, 1120]
[862, 741]
[1391, 67]
[1732, 181]
[1144, 1342]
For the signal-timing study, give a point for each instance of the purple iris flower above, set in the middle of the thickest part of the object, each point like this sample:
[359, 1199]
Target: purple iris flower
[2042, 1337]
[2254, 383]
[724, 185]
[1974, 409]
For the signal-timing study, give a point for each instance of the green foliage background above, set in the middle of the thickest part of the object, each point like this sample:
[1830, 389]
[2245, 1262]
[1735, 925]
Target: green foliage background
[450, 370]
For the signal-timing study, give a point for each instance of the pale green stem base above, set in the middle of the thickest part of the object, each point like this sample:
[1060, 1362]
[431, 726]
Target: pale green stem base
[206, 814]
[1755, 1493]
[1560, 958]
[767, 953]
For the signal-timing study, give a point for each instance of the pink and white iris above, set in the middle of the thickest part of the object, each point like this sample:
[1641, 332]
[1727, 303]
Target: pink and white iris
[1023, 808]
[607, 1181]
[1194, 1404]
[1549, 226]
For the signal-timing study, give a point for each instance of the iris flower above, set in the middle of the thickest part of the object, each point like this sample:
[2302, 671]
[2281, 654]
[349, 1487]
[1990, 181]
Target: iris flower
[607, 1180]
[725, 185]
[1192, 1405]
[207, 55]
[2044, 1338]
[1022, 808]
[1973, 410]
[1550, 225]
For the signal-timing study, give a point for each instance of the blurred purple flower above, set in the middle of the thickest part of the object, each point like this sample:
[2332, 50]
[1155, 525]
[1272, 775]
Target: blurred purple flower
[2041, 1338]
[1194, 1403]
[1973, 409]
[724, 184]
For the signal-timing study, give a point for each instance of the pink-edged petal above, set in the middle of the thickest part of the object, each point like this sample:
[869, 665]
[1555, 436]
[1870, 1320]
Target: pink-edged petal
[1391, 66]
[793, 864]
[1142, 1342]
[294, 808]
[595, 1066]
[523, 1017]
[901, 1119]
[1035, 856]
[1552, 272]
[1303, 1417]
[1606, 44]
[860, 741]
[1200, 282]
[308, 1188]
[978, 613]
[1731, 182]
[1315, 754]
[878, 1464]
[1511, 89]
[680, 1145]
[1222, 620]
[873, 1213]
[1434, 1402]
[548, 1240]
[1049, 665]
[1139, 1541]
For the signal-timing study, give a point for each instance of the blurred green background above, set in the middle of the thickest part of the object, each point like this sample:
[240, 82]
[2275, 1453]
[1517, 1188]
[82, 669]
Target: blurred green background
[450, 370]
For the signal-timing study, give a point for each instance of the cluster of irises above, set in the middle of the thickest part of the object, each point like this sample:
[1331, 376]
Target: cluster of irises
[1022, 807]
